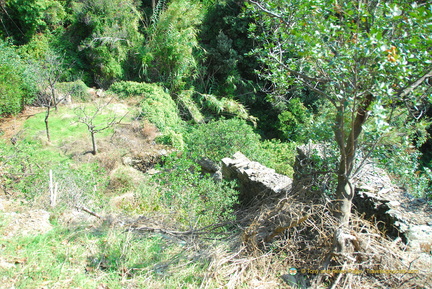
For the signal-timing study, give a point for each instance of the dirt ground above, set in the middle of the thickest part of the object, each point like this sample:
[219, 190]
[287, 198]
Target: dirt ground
[10, 126]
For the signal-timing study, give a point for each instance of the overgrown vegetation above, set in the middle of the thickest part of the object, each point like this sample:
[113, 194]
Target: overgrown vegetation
[185, 80]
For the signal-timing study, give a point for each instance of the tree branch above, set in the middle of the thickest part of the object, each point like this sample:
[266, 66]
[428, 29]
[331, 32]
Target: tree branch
[271, 13]
[405, 91]
[301, 75]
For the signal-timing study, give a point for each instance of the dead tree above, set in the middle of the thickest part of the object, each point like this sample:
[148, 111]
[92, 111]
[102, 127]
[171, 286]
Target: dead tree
[89, 116]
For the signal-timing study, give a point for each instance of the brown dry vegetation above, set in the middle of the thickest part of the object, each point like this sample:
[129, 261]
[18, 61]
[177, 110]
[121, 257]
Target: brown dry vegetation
[130, 142]
[297, 231]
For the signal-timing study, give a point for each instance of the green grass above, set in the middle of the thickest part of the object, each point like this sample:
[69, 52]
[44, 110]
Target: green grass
[88, 258]
[94, 255]
[63, 124]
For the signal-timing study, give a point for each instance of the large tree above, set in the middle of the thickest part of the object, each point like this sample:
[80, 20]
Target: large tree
[358, 55]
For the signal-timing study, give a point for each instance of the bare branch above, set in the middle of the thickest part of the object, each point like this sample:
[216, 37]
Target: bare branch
[405, 91]
[271, 13]
[301, 75]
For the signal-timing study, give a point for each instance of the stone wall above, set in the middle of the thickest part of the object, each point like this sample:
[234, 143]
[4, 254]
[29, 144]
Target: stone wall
[255, 180]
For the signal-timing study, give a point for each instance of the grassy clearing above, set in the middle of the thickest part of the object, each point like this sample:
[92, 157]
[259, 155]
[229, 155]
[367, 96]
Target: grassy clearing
[63, 122]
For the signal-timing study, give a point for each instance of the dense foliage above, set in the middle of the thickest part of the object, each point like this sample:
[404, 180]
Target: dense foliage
[289, 69]
[164, 86]
[17, 85]
[364, 59]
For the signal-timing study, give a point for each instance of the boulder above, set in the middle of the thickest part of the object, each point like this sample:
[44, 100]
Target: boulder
[210, 167]
[255, 180]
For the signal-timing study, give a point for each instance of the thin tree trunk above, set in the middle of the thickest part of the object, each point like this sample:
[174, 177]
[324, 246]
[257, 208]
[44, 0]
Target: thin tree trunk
[46, 123]
[54, 100]
[93, 143]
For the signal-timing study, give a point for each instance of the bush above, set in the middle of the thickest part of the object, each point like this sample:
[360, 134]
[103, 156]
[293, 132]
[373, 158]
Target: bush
[193, 198]
[125, 89]
[219, 139]
[77, 89]
[188, 107]
[168, 55]
[161, 110]
[281, 156]
[157, 106]
[293, 120]
[16, 85]
[107, 32]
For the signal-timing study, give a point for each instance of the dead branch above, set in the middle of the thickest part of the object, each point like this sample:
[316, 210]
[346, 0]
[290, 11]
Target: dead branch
[82, 208]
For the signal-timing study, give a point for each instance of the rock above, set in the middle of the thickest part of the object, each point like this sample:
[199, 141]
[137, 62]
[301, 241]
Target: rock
[144, 161]
[208, 166]
[398, 215]
[420, 238]
[128, 161]
[256, 181]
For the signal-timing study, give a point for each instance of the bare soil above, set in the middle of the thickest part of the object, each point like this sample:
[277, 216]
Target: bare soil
[10, 126]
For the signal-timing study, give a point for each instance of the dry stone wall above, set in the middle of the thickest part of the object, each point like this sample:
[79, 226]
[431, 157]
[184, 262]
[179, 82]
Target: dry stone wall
[255, 180]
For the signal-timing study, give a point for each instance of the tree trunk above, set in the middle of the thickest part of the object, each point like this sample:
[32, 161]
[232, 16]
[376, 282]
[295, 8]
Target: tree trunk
[348, 146]
[92, 133]
[46, 123]
[53, 101]
[344, 197]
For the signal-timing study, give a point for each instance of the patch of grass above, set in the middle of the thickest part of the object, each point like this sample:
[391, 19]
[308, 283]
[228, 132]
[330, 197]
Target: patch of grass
[192, 199]
[91, 258]
[26, 166]
[63, 123]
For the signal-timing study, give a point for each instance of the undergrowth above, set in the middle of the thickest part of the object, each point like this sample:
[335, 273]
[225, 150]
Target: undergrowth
[184, 215]
[96, 258]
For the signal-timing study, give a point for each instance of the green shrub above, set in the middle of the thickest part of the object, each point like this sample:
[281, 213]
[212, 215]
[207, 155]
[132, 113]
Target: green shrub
[168, 55]
[23, 19]
[188, 107]
[125, 89]
[77, 89]
[219, 139]
[401, 160]
[16, 84]
[170, 137]
[193, 199]
[158, 107]
[107, 31]
[293, 120]
[281, 156]
[225, 106]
